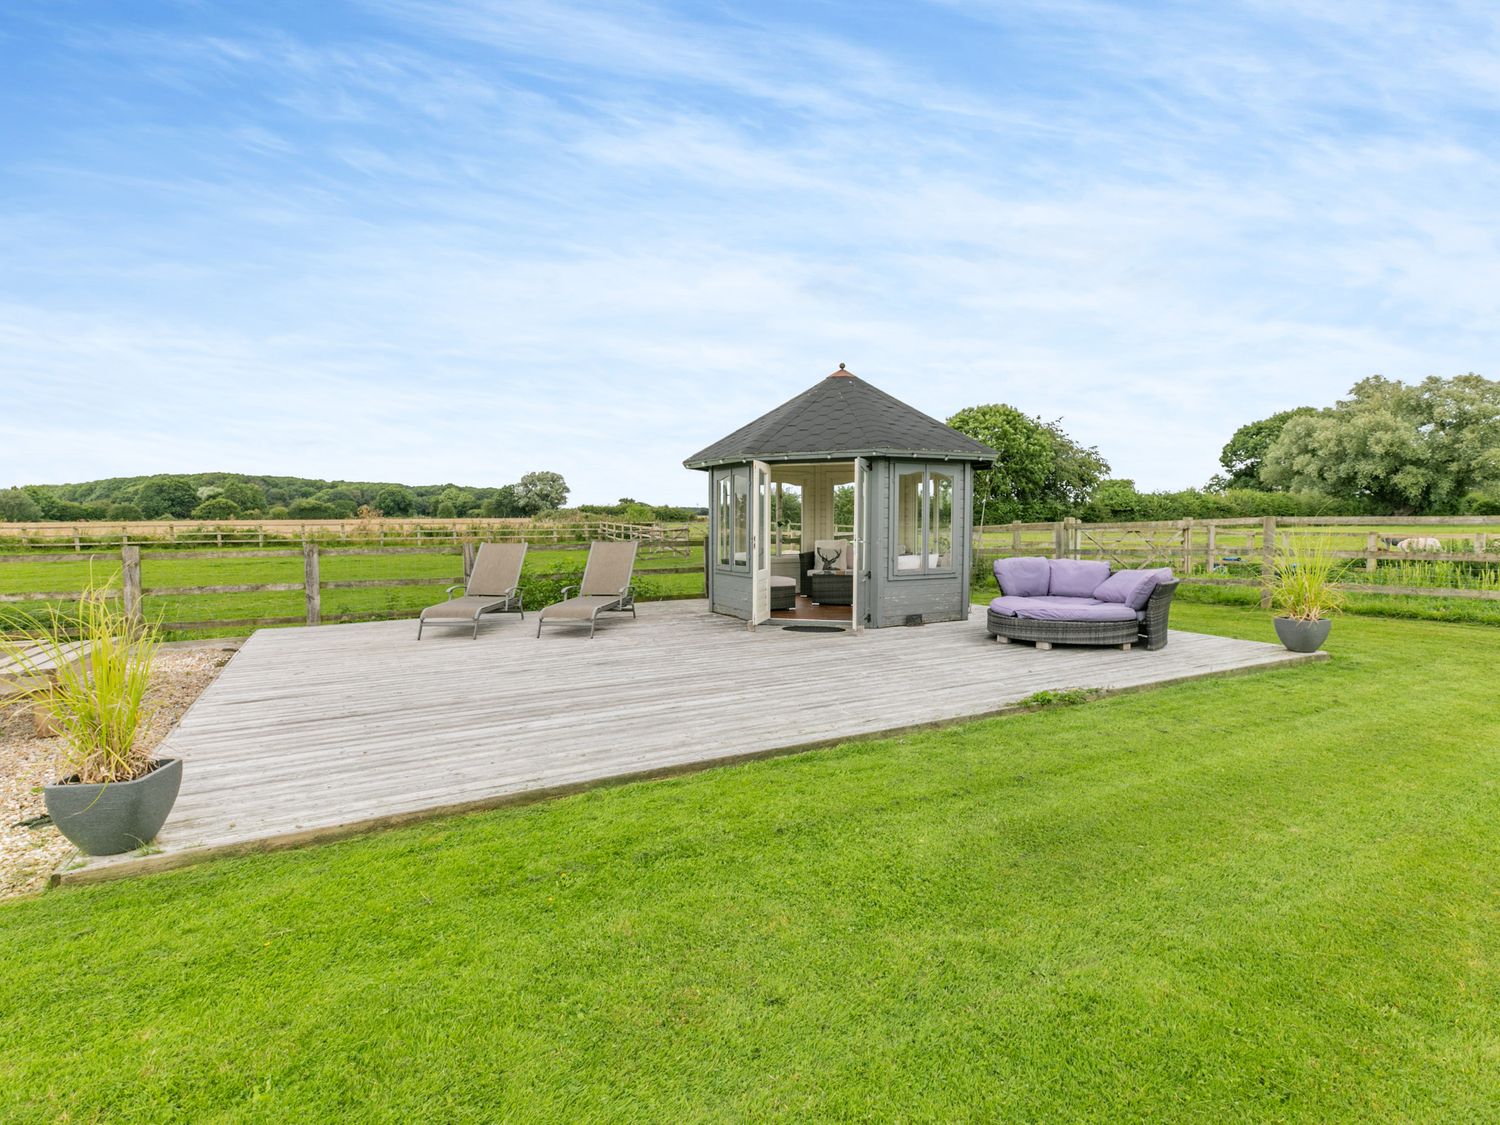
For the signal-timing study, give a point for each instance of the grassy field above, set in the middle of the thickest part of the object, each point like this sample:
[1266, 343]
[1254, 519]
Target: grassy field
[1270, 897]
[160, 569]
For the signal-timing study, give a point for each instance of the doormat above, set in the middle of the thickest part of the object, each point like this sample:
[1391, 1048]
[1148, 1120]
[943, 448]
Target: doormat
[813, 628]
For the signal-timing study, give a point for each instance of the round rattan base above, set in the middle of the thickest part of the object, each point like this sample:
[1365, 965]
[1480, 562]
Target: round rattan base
[1062, 632]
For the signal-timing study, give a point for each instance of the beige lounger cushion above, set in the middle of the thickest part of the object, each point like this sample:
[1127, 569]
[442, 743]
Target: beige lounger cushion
[579, 609]
[462, 608]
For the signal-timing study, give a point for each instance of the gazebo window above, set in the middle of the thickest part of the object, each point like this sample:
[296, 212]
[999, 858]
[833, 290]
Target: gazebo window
[923, 523]
[732, 500]
[741, 519]
[723, 523]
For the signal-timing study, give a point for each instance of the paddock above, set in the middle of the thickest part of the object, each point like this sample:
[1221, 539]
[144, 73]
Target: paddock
[318, 732]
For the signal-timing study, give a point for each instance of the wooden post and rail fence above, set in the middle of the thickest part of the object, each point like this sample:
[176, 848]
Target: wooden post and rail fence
[133, 593]
[1227, 552]
[657, 540]
[1210, 552]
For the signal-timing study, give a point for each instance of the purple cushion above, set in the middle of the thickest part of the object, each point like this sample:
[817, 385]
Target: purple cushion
[1062, 609]
[1075, 578]
[1131, 587]
[1022, 578]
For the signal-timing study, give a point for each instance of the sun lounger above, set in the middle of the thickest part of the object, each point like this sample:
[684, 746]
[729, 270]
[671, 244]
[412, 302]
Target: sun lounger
[493, 587]
[605, 588]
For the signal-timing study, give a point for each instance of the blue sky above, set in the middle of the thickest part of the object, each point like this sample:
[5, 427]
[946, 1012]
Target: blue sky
[423, 241]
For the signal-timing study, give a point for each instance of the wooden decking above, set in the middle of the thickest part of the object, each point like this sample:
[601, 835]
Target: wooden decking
[316, 732]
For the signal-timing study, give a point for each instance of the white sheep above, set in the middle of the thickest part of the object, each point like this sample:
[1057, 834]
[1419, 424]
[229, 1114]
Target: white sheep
[1420, 545]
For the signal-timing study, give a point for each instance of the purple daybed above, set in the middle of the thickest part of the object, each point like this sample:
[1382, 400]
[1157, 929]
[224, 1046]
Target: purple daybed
[1078, 602]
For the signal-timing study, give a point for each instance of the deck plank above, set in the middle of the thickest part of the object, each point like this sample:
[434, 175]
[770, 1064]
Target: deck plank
[310, 732]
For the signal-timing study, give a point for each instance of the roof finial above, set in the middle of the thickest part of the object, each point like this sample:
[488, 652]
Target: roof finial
[841, 367]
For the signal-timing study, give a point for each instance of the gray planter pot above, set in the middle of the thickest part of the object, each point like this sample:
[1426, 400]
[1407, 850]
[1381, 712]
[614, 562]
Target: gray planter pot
[118, 817]
[1302, 636]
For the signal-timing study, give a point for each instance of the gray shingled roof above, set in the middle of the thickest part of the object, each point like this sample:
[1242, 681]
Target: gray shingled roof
[839, 418]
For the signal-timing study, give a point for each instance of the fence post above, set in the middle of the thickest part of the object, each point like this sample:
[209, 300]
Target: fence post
[130, 583]
[1187, 547]
[1372, 545]
[1015, 536]
[1267, 559]
[468, 558]
[1211, 548]
[310, 582]
[1059, 539]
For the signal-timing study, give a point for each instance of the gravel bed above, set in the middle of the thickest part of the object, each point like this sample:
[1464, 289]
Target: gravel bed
[28, 854]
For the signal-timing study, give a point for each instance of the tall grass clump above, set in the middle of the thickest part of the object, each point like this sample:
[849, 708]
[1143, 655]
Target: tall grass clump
[1426, 574]
[97, 704]
[1304, 577]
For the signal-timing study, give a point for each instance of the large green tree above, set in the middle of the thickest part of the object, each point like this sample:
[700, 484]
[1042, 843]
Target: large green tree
[1246, 450]
[17, 506]
[167, 498]
[504, 504]
[1040, 470]
[541, 492]
[1415, 447]
[394, 500]
[244, 495]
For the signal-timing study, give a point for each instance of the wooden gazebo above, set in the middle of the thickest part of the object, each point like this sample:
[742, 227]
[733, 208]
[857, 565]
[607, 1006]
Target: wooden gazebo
[904, 555]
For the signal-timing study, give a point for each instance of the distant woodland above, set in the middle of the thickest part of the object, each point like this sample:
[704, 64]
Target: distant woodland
[221, 496]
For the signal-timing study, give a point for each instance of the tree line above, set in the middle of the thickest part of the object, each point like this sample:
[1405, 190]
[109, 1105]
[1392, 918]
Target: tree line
[220, 496]
[1387, 448]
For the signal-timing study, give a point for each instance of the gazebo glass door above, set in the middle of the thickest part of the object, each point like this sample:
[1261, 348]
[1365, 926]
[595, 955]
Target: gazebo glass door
[761, 499]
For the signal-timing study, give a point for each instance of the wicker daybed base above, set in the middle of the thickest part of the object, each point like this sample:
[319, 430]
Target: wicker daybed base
[1150, 633]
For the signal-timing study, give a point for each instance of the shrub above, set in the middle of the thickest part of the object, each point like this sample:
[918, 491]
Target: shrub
[1119, 501]
[1481, 504]
[638, 513]
[309, 509]
[216, 508]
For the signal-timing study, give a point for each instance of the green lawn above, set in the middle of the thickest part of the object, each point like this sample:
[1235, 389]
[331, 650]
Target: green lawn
[1268, 897]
